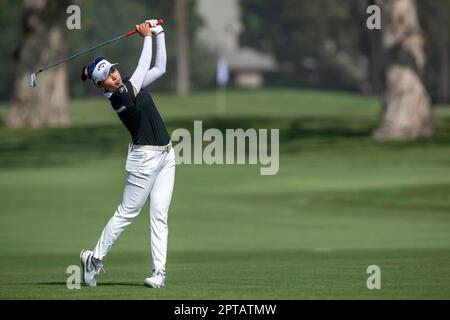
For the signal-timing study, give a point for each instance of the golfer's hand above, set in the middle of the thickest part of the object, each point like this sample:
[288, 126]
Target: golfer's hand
[154, 27]
[144, 29]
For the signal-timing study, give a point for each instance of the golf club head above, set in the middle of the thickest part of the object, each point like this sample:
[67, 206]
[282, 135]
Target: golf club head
[33, 80]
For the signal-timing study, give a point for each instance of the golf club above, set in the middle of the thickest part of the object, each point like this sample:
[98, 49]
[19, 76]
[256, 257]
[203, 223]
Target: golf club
[33, 76]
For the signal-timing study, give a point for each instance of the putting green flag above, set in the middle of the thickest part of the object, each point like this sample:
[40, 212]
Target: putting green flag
[223, 73]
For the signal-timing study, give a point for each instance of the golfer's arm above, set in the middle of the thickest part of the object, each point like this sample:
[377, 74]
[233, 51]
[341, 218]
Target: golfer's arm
[139, 74]
[160, 61]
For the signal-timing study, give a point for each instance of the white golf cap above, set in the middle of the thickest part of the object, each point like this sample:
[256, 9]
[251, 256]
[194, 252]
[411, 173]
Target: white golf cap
[101, 70]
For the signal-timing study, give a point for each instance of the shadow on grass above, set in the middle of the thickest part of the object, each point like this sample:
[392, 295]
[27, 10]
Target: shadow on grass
[40, 148]
[49, 147]
[63, 283]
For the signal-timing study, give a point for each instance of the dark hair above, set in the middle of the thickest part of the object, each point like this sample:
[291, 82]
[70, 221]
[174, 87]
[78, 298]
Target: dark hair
[85, 74]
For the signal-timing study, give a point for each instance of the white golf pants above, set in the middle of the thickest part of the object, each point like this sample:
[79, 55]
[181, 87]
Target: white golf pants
[151, 175]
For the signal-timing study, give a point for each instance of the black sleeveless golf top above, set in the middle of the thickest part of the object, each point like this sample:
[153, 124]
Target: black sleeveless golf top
[139, 115]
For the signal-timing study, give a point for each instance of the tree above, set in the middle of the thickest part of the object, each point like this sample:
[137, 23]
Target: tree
[435, 19]
[322, 41]
[407, 108]
[183, 83]
[10, 25]
[43, 42]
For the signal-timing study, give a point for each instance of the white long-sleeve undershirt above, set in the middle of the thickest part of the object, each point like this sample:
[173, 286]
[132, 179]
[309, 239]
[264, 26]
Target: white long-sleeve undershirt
[142, 76]
[160, 61]
[143, 65]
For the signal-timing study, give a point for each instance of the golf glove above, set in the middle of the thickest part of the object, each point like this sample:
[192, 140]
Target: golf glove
[155, 28]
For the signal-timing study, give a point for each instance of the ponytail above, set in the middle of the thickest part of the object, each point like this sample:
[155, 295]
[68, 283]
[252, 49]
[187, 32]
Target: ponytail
[85, 74]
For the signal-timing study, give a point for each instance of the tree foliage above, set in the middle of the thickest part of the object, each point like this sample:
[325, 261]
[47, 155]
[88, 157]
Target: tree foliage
[322, 39]
[101, 22]
[327, 44]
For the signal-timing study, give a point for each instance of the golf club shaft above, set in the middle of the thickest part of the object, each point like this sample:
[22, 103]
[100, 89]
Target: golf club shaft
[93, 48]
[81, 53]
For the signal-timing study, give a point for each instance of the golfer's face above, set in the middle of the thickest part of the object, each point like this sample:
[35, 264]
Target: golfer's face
[114, 80]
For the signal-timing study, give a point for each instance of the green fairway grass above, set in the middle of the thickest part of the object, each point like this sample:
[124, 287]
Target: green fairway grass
[340, 203]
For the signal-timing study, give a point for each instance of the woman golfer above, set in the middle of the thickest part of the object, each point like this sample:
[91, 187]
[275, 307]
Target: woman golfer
[151, 160]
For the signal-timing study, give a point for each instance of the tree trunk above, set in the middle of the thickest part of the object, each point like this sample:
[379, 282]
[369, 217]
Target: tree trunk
[44, 42]
[183, 76]
[407, 107]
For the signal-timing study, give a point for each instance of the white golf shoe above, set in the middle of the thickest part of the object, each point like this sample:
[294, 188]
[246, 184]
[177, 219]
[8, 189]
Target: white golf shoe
[90, 271]
[156, 281]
